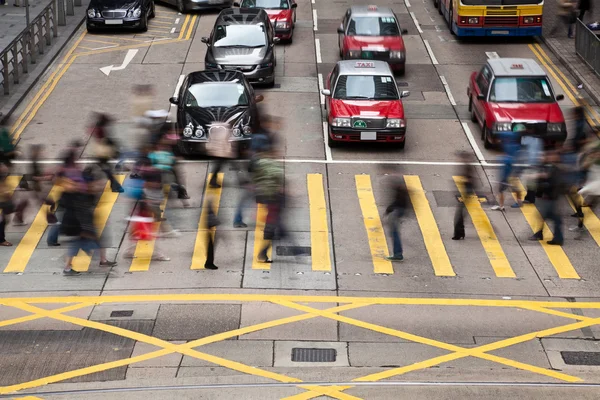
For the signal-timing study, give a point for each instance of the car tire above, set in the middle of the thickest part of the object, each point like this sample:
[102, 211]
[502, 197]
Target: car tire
[450, 19]
[440, 7]
[90, 29]
[472, 110]
[401, 71]
[331, 143]
[183, 149]
[144, 24]
[180, 6]
[271, 84]
[400, 145]
[486, 140]
[436, 3]
[152, 10]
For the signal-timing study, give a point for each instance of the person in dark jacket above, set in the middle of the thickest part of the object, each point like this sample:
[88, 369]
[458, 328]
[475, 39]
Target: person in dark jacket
[584, 6]
[395, 212]
[468, 175]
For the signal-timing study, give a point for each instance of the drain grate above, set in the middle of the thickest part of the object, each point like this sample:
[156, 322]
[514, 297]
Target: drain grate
[581, 357]
[313, 355]
[121, 313]
[292, 251]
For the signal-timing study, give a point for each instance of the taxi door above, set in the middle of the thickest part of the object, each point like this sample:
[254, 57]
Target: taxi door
[342, 32]
[330, 84]
[481, 88]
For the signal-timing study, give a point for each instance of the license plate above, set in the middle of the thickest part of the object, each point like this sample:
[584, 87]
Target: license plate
[367, 54]
[113, 22]
[500, 32]
[368, 136]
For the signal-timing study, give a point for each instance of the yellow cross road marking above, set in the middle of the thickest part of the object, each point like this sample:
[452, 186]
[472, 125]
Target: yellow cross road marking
[23, 252]
[590, 221]
[556, 254]
[81, 262]
[375, 233]
[259, 241]
[319, 231]
[429, 229]
[12, 181]
[33, 317]
[214, 195]
[486, 233]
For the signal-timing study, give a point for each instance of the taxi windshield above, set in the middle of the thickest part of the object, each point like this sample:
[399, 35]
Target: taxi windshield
[270, 4]
[521, 90]
[365, 87]
[240, 36]
[373, 26]
[215, 94]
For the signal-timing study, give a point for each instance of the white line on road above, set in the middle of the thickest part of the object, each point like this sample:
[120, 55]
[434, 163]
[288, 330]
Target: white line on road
[313, 1]
[156, 40]
[321, 88]
[105, 47]
[492, 54]
[177, 21]
[173, 30]
[474, 144]
[407, 3]
[327, 149]
[430, 51]
[318, 49]
[315, 20]
[447, 88]
[179, 83]
[412, 14]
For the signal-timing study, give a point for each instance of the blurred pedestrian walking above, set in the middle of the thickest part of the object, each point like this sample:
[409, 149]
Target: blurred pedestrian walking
[396, 210]
[589, 194]
[584, 6]
[567, 16]
[7, 205]
[467, 173]
[8, 151]
[511, 144]
[220, 148]
[105, 148]
[211, 222]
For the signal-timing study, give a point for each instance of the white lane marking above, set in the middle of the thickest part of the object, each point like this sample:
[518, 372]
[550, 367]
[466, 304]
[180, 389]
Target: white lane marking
[128, 57]
[105, 47]
[178, 86]
[313, 1]
[315, 20]
[492, 54]
[474, 144]
[327, 149]
[430, 51]
[447, 88]
[321, 88]
[407, 3]
[177, 21]
[173, 30]
[156, 40]
[412, 15]
[318, 49]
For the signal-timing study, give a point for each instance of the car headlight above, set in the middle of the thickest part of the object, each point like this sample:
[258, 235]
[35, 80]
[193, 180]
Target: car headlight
[91, 13]
[354, 53]
[282, 25]
[211, 65]
[199, 131]
[528, 20]
[473, 20]
[188, 131]
[395, 123]
[397, 54]
[503, 126]
[236, 132]
[341, 122]
[247, 130]
[266, 65]
[135, 13]
[555, 127]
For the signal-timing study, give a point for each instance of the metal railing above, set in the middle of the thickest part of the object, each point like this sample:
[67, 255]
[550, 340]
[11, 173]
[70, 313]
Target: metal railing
[32, 41]
[587, 46]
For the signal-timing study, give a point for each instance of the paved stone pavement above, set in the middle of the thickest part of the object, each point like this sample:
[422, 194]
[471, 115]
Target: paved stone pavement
[12, 19]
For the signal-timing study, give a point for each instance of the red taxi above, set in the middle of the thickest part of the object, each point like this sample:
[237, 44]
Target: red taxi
[371, 32]
[282, 14]
[363, 104]
[515, 90]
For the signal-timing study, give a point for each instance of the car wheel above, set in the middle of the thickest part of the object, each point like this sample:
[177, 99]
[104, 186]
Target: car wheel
[435, 3]
[144, 24]
[472, 109]
[486, 138]
[400, 72]
[90, 29]
[272, 83]
[400, 145]
[180, 6]
[451, 20]
[439, 7]
[152, 11]
[331, 143]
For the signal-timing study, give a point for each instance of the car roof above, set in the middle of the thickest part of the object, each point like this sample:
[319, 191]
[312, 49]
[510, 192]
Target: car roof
[371, 11]
[515, 67]
[215, 75]
[242, 16]
[364, 67]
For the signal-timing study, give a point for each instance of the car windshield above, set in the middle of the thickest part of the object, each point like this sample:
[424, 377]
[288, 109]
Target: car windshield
[269, 4]
[240, 36]
[373, 26]
[365, 87]
[216, 94]
[521, 90]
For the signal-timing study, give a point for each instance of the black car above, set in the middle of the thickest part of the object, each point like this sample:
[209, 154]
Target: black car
[208, 97]
[197, 5]
[119, 14]
[243, 39]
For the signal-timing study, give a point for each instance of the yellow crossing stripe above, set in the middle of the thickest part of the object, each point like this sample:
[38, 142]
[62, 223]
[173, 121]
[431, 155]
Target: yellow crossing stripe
[486, 233]
[429, 229]
[590, 221]
[32, 237]
[81, 262]
[319, 231]
[375, 233]
[214, 195]
[556, 254]
[259, 241]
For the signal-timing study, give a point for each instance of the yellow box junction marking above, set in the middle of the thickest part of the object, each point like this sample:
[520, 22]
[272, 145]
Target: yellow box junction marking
[145, 248]
[12, 181]
[319, 231]
[486, 233]
[214, 195]
[556, 254]
[26, 247]
[375, 232]
[259, 241]
[429, 229]
[590, 221]
[81, 262]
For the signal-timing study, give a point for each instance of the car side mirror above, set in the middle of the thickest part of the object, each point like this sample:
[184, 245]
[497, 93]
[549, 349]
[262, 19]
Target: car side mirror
[481, 97]
[258, 98]
[560, 97]
[173, 100]
[341, 29]
[294, 5]
[404, 31]
[326, 92]
[236, 4]
[405, 93]
[204, 40]
[276, 40]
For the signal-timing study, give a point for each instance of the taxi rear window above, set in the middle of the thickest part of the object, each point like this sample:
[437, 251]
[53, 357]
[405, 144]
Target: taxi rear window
[373, 26]
[367, 87]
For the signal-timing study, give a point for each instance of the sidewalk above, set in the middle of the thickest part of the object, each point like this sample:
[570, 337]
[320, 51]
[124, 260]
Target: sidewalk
[12, 19]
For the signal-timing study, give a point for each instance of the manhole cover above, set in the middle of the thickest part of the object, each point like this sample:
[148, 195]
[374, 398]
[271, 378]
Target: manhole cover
[292, 251]
[313, 355]
[581, 357]
[121, 313]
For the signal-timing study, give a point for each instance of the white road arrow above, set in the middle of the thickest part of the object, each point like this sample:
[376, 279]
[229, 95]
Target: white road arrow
[128, 57]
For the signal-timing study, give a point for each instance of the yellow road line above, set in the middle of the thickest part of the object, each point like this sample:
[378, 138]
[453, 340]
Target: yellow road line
[162, 23]
[25, 248]
[556, 254]
[590, 221]
[81, 262]
[319, 231]
[486, 233]
[99, 41]
[214, 195]
[162, 33]
[557, 313]
[191, 27]
[375, 233]
[259, 241]
[118, 38]
[33, 317]
[145, 248]
[183, 27]
[429, 229]
[12, 181]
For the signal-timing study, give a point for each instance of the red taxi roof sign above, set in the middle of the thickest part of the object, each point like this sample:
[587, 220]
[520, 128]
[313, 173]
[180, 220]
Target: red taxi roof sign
[365, 64]
[517, 66]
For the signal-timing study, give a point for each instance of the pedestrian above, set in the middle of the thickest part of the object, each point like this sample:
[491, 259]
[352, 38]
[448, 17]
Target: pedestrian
[395, 212]
[172, 167]
[533, 146]
[105, 148]
[8, 151]
[219, 148]
[7, 206]
[589, 194]
[143, 228]
[211, 222]
[467, 174]
[154, 193]
[567, 16]
[511, 144]
[584, 6]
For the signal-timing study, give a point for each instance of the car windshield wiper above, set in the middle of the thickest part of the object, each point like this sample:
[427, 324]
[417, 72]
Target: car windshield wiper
[357, 97]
